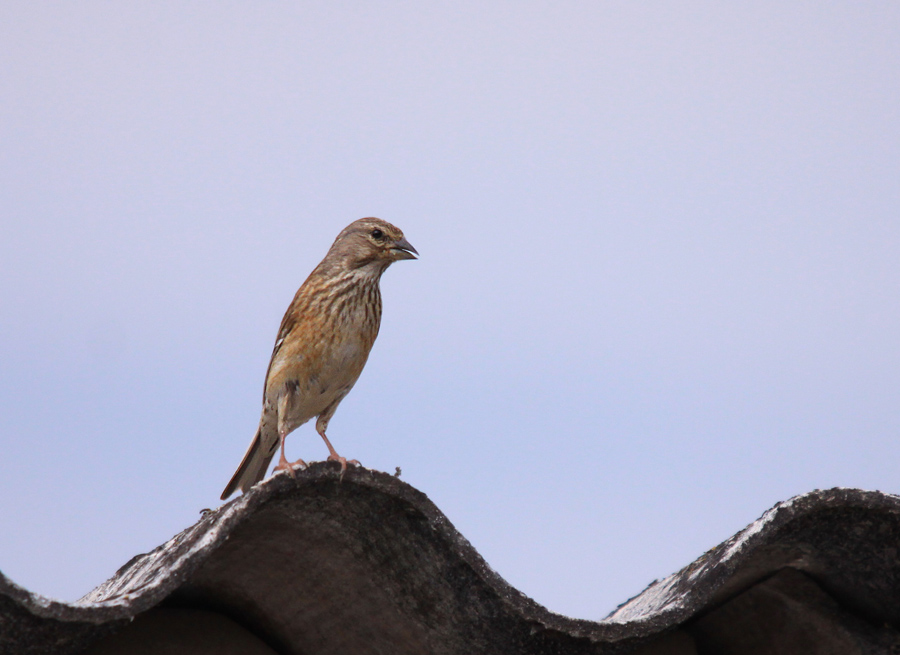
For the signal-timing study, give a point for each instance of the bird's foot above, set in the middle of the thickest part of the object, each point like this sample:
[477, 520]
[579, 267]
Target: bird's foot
[290, 467]
[343, 462]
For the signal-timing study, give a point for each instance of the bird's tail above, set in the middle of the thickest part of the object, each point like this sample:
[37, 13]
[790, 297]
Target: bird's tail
[255, 463]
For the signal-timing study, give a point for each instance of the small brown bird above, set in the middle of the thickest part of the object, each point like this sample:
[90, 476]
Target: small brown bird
[323, 343]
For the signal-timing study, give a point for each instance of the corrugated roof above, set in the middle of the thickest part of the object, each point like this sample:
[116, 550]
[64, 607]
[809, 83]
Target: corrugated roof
[370, 565]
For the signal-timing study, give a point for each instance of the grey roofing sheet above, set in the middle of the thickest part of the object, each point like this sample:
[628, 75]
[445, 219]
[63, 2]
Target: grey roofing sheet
[369, 564]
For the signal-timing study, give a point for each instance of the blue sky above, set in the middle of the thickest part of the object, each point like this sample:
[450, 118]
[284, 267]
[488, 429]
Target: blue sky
[657, 293]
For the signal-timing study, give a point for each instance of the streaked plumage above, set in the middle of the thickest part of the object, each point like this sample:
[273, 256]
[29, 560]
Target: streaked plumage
[323, 342]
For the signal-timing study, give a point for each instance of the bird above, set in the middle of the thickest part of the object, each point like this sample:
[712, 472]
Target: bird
[322, 344]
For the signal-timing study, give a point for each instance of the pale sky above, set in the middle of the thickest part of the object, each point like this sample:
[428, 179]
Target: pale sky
[658, 286]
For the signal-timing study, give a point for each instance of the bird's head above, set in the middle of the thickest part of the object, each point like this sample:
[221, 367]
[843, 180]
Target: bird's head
[371, 241]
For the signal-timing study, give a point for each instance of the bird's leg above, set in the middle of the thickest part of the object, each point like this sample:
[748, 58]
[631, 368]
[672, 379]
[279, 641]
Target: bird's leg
[283, 463]
[332, 453]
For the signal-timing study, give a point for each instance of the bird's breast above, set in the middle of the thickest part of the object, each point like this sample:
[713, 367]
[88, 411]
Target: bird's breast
[320, 360]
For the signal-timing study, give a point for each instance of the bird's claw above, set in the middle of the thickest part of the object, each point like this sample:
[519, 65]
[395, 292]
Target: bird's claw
[343, 461]
[291, 467]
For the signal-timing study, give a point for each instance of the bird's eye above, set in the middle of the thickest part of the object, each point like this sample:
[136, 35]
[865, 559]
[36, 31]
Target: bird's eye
[377, 234]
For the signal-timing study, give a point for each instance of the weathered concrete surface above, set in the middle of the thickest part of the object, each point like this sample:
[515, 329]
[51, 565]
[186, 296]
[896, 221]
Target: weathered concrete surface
[370, 565]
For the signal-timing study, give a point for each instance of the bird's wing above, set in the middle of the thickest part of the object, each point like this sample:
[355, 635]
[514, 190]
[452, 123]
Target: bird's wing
[290, 320]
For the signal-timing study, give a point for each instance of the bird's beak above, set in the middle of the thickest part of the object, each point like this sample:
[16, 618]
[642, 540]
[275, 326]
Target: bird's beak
[402, 249]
